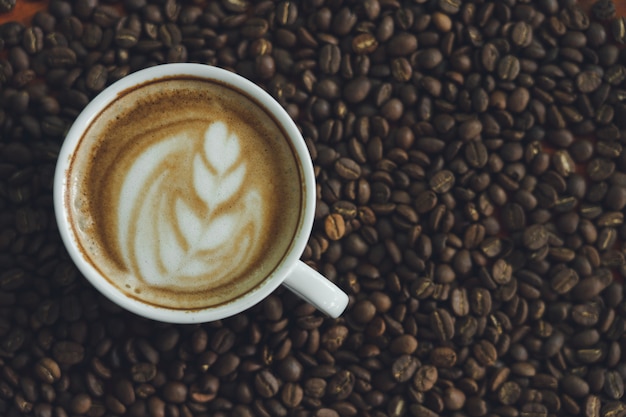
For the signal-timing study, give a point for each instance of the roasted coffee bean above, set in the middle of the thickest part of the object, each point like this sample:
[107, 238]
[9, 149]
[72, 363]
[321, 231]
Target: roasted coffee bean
[80, 404]
[534, 409]
[266, 384]
[425, 378]
[292, 395]
[404, 367]
[586, 314]
[535, 237]
[614, 385]
[330, 59]
[442, 324]
[143, 372]
[508, 68]
[429, 58]
[574, 386]
[442, 181]
[124, 392]
[403, 43]
[32, 40]
[96, 78]
[485, 353]
[47, 370]
[564, 280]
[334, 226]
[425, 202]
[174, 392]
[501, 271]
[509, 393]
[480, 301]
[357, 90]
[341, 385]
[68, 352]
[476, 154]
[603, 10]
[588, 81]
[618, 29]
[460, 302]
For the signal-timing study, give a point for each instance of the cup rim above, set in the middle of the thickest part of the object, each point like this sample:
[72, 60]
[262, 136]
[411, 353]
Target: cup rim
[182, 316]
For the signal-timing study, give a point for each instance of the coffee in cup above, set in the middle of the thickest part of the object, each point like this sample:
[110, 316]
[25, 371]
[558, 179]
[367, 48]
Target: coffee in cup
[185, 192]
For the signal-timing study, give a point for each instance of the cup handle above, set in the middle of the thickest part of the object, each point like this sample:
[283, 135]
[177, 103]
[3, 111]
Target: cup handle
[316, 289]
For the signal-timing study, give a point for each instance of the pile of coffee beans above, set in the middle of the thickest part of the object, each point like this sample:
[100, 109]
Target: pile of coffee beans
[471, 181]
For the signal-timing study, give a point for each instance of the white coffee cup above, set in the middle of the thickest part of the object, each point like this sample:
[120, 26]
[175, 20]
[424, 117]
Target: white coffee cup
[291, 272]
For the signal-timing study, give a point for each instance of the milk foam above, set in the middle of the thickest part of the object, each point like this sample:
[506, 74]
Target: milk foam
[175, 251]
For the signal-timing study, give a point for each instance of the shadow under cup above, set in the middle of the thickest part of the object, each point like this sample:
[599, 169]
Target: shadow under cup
[184, 193]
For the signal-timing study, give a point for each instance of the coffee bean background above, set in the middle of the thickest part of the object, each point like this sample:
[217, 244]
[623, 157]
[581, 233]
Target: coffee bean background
[471, 186]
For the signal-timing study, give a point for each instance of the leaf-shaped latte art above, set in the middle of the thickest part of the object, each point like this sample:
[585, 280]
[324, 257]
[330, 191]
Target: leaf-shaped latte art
[140, 176]
[171, 240]
[218, 232]
[204, 180]
[230, 184]
[189, 224]
[221, 148]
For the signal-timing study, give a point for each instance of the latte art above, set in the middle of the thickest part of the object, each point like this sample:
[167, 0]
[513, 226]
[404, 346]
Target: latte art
[185, 193]
[198, 239]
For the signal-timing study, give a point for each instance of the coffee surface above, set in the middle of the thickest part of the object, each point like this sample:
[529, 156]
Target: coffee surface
[185, 193]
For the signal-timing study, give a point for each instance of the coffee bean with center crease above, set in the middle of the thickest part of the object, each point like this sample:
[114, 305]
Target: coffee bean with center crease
[335, 226]
[68, 352]
[442, 181]
[96, 78]
[522, 34]
[534, 409]
[404, 367]
[480, 301]
[266, 384]
[341, 385]
[425, 378]
[588, 81]
[143, 372]
[614, 385]
[292, 394]
[535, 237]
[60, 57]
[485, 353]
[618, 29]
[564, 280]
[443, 356]
[476, 154]
[460, 302]
[502, 272]
[330, 59]
[48, 370]
[508, 68]
[442, 324]
[425, 202]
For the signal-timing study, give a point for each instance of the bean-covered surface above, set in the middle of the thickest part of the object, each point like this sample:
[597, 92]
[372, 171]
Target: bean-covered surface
[471, 186]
